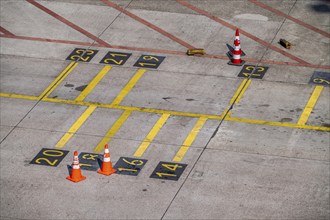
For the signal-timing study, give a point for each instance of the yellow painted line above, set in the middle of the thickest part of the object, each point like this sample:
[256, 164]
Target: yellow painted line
[128, 86]
[189, 140]
[93, 83]
[113, 130]
[17, 96]
[152, 134]
[279, 124]
[238, 95]
[310, 105]
[160, 111]
[58, 80]
[74, 128]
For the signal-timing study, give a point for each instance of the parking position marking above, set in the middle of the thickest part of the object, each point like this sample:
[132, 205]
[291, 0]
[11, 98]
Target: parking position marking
[152, 134]
[310, 105]
[247, 70]
[190, 139]
[168, 171]
[115, 58]
[93, 83]
[58, 80]
[113, 130]
[89, 161]
[74, 128]
[129, 166]
[320, 78]
[82, 55]
[149, 61]
[129, 86]
[49, 157]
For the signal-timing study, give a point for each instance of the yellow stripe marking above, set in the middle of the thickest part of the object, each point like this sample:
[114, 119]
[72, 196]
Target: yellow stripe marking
[310, 105]
[93, 83]
[238, 95]
[113, 130]
[152, 134]
[17, 96]
[58, 80]
[189, 140]
[128, 87]
[279, 124]
[160, 111]
[74, 128]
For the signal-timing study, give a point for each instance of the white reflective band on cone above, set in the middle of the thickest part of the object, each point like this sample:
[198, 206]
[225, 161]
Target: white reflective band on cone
[75, 167]
[236, 57]
[106, 159]
[106, 151]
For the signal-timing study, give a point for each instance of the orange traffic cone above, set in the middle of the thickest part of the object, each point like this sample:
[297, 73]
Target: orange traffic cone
[76, 172]
[236, 52]
[106, 168]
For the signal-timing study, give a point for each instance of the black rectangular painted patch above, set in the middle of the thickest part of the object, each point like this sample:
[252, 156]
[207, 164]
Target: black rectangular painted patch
[49, 157]
[115, 58]
[89, 161]
[168, 171]
[149, 61]
[78, 55]
[248, 69]
[129, 166]
[320, 78]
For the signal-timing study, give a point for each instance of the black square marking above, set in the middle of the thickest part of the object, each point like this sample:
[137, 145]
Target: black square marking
[248, 69]
[168, 171]
[320, 78]
[89, 161]
[115, 58]
[77, 53]
[49, 157]
[149, 61]
[129, 166]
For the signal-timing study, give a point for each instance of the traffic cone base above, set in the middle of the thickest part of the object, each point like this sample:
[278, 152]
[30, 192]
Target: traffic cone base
[107, 172]
[81, 178]
[236, 64]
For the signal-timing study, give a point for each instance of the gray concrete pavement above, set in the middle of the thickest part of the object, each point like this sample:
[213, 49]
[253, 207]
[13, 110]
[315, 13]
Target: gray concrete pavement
[267, 159]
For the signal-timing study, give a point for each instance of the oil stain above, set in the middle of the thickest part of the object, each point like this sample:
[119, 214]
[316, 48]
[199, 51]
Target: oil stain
[68, 85]
[286, 119]
[80, 88]
[190, 99]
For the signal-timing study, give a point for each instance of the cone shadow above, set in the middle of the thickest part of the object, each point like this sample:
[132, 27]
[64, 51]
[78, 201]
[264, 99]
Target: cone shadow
[69, 169]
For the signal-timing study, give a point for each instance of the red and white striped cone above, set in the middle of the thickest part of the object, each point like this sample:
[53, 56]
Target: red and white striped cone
[106, 168]
[236, 52]
[76, 175]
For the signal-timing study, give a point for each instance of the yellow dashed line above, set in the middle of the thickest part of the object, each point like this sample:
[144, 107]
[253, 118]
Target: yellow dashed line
[113, 130]
[310, 105]
[58, 80]
[128, 87]
[152, 134]
[190, 139]
[74, 128]
[93, 83]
